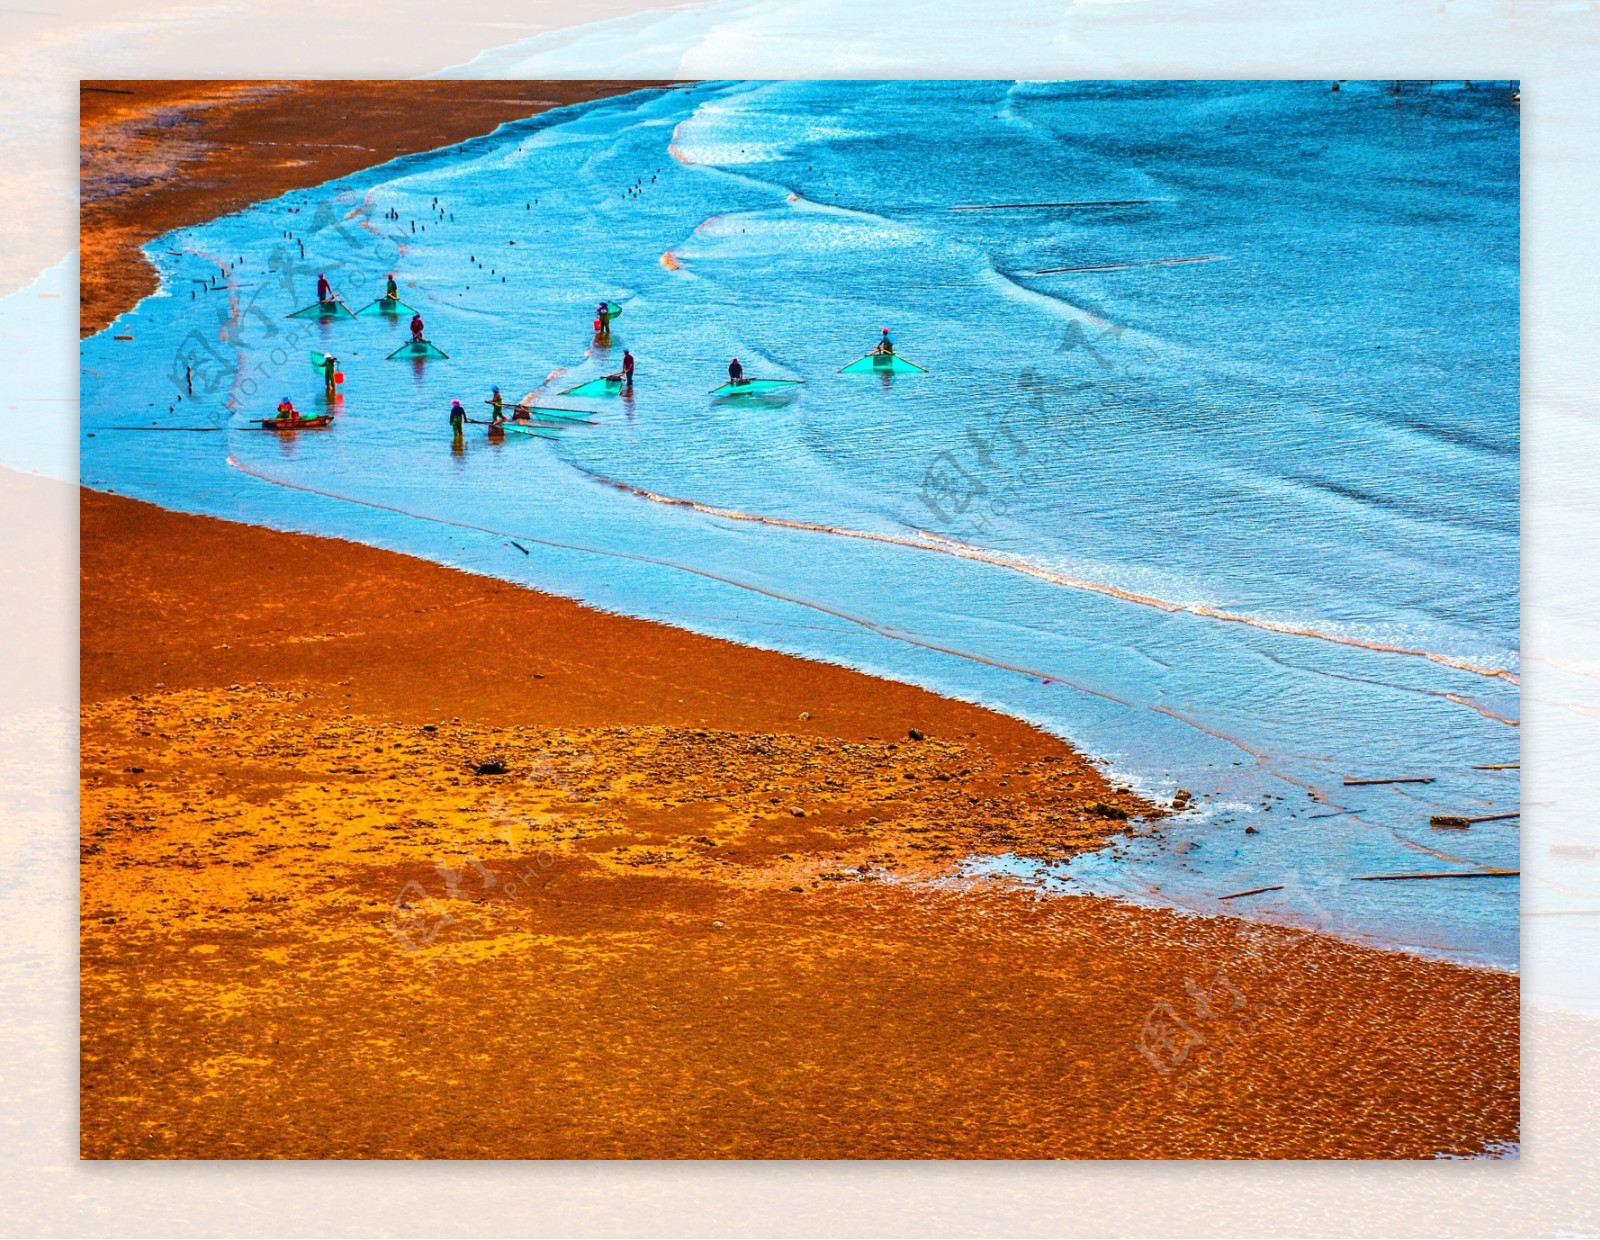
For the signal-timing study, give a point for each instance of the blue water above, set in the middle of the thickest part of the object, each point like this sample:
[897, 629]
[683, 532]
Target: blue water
[1246, 526]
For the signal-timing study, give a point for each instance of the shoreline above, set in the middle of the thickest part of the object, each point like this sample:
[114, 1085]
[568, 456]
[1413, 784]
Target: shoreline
[314, 914]
[309, 923]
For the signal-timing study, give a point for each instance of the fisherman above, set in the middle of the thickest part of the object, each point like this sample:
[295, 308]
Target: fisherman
[287, 412]
[458, 418]
[330, 373]
[497, 406]
[885, 345]
[735, 372]
[391, 290]
[602, 317]
[324, 289]
[416, 328]
[627, 369]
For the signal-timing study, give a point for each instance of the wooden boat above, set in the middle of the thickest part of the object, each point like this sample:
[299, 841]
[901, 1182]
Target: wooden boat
[297, 424]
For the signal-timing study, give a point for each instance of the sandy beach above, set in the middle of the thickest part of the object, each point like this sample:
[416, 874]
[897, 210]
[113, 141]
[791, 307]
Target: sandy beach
[370, 871]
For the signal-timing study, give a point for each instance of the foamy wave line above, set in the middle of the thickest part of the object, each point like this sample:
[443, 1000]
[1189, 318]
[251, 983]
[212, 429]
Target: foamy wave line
[1480, 708]
[926, 541]
[676, 151]
[1457, 698]
[882, 630]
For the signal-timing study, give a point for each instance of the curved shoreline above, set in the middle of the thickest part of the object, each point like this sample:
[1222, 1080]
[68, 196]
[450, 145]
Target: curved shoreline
[308, 920]
[292, 946]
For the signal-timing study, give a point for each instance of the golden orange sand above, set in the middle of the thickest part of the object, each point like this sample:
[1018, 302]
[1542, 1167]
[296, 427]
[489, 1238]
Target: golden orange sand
[310, 929]
[712, 908]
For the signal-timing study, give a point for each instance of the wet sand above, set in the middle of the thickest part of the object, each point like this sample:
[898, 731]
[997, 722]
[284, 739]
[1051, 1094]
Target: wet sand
[373, 867]
[311, 929]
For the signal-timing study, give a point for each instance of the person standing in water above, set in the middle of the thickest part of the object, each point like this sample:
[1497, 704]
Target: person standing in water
[391, 290]
[627, 369]
[416, 328]
[602, 317]
[324, 289]
[330, 373]
[497, 408]
[735, 372]
[458, 419]
[884, 345]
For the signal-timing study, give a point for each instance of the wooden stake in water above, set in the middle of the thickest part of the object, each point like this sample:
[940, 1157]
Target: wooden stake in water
[1461, 823]
[1392, 779]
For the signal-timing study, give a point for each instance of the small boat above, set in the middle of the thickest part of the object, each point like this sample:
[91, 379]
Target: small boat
[754, 387]
[417, 349]
[333, 308]
[605, 385]
[296, 424]
[385, 305]
[883, 364]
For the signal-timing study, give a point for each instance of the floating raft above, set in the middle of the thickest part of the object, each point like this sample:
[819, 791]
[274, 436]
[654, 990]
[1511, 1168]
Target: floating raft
[286, 424]
[385, 305]
[883, 364]
[417, 349]
[754, 387]
[606, 385]
[334, 309]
